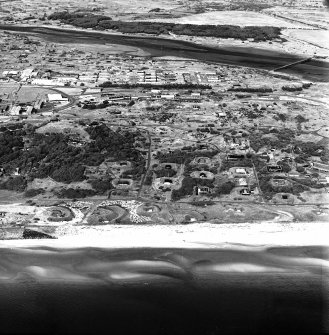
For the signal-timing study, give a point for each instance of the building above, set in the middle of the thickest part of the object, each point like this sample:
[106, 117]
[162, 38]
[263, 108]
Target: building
[47, 82]
[233, 157]
[202, 190]
[168, 96]
[324, 180]
[15, 110]
[274, 168]
[27, 73]
[320, 167]
[294, 175]
[241, 182]
[56, 97]
[245, 191]
[12, 73]
[241, 171]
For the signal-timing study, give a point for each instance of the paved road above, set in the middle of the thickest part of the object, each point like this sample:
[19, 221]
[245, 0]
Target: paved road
[148, 165]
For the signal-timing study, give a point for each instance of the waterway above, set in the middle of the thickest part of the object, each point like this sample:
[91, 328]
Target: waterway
[313, 70]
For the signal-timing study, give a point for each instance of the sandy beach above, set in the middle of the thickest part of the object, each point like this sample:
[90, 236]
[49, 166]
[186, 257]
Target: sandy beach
[198, 235]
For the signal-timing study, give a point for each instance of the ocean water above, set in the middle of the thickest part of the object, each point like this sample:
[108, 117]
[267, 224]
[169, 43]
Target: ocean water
[164, 291]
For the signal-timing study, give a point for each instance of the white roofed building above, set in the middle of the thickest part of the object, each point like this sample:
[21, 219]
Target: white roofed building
[56, 97]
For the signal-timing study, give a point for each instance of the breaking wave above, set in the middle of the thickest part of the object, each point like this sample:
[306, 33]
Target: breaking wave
[234, 289]
[113, 265]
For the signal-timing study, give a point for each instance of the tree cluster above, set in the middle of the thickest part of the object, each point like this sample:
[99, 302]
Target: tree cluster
[225, 188]
[101, 185]
[188, 185]
[17, 183]
[52, 156]
[269, 190]
[73, 193]
[260, 89]
[101, 22]
[282, 138]
[181, 156]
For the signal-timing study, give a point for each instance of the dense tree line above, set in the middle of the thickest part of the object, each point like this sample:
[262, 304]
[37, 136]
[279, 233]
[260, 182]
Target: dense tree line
[107, 84]
[79, 19]
[101, 22]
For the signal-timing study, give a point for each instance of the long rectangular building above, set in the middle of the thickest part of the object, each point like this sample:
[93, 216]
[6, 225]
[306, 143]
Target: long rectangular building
[320, 167]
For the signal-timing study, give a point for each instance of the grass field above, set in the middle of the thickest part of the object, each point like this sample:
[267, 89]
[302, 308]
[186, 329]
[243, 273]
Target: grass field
[29, 94]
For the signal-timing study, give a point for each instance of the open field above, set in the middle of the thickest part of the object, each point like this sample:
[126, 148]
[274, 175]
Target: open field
[131, 8]
[318, 38]
[292, 45]
[64, 127]
[240, 18]
[27, 93]
[10, 197]
[7, 89]
[111, 49]
[324, 132]
[24, 93]
[116, 9]
[317, 17]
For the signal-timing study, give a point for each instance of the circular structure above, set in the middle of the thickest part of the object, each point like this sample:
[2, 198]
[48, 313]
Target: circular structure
[122, 183]
[60, 213]
[202, 161]
[106, 214]
[148, 210]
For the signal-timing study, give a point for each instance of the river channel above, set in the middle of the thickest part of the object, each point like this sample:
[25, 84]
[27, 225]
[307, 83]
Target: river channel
[313, 70]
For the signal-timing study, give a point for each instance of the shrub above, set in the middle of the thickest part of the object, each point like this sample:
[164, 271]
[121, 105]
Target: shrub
[33, 192]
[17, 184]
